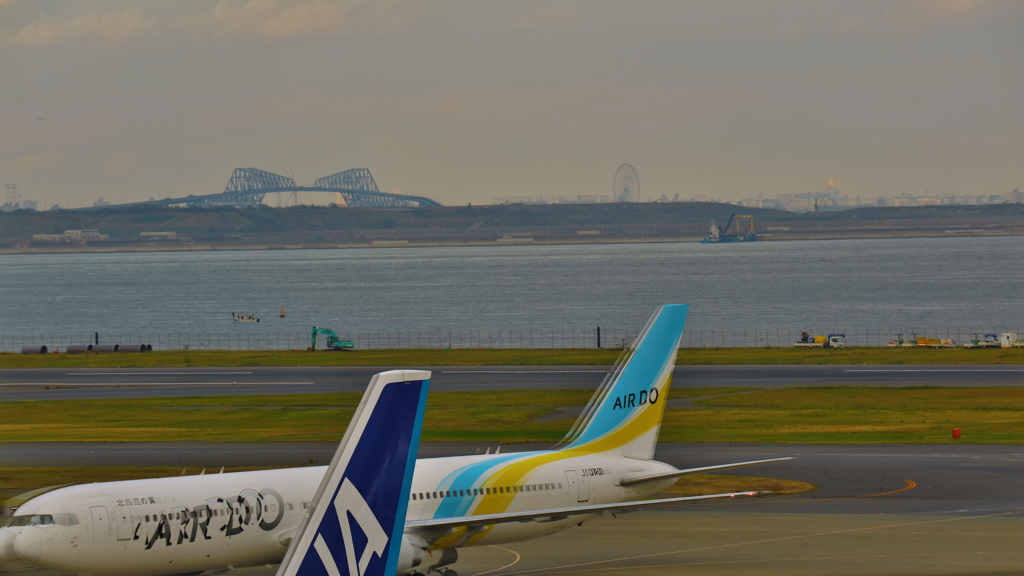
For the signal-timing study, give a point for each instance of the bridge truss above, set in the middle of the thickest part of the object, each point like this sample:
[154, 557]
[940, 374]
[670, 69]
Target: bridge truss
[249, 186]
[246, 189]
[357, 187]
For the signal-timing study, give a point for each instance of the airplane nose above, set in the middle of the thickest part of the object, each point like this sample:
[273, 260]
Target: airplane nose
[27, 546]
[7, 545]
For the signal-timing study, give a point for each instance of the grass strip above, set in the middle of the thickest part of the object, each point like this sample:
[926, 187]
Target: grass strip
[793, 415]
[866, 415]
[512, 357]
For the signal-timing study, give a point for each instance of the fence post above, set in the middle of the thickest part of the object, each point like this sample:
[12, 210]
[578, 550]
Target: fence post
[528, 339]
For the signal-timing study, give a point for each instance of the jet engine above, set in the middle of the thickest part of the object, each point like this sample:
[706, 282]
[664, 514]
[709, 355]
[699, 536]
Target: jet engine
[412, 553]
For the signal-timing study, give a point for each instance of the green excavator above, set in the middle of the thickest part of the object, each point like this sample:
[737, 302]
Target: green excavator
[333, 342]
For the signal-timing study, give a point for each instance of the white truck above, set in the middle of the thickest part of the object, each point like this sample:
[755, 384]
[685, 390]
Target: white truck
[830, 341]
[1004, 340]
[1010, 340]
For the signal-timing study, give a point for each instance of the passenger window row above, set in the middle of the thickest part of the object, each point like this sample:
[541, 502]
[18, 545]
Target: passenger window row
[462, 493]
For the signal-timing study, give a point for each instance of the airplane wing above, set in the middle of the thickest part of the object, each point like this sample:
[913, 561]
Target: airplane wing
[433, 525]
[677, 473]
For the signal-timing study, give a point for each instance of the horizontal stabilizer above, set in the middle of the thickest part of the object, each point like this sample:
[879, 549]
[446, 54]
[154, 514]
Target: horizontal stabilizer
[677, 473]
[555, 514]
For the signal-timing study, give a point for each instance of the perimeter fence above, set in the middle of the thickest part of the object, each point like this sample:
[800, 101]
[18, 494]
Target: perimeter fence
[594, 338]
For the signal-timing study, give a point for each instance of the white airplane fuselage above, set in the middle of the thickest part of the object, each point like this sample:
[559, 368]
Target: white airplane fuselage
[195, 523]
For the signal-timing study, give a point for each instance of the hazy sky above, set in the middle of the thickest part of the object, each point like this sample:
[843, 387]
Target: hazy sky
[467, 101]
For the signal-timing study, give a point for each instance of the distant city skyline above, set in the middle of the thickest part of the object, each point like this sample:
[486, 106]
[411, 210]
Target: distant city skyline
[836, 199]
[830, 199]
[465, 102]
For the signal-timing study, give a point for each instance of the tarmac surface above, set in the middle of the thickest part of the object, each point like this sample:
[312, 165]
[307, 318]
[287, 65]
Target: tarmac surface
[82, 383]
[725, 543]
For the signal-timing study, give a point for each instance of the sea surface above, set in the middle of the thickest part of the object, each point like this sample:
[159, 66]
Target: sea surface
[898, 285]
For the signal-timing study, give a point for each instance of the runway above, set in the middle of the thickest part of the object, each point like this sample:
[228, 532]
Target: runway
[41, 384]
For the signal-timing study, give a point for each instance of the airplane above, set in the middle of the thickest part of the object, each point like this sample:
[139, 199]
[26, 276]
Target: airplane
[188, 525]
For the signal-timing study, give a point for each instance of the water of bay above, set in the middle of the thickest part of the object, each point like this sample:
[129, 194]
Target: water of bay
[971, 283]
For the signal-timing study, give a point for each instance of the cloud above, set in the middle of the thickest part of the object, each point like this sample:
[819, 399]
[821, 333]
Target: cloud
[281, 20]
[27, 25]
[111, 29]
[924, 14]
[548, 17]
[32, 163]
[847, 23]
[266, 19]
[120, 163]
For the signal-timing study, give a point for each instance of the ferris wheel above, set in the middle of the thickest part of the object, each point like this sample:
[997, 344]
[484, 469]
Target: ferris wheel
[626, 185]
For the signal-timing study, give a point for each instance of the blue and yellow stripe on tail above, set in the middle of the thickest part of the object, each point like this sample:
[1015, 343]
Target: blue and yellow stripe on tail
[627, 417]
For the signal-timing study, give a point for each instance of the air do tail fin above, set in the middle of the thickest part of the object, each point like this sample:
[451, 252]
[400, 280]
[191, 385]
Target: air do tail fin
[355, 522]
[625, 414]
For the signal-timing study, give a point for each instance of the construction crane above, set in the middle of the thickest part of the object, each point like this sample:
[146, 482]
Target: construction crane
[333, 342]
[744, 230]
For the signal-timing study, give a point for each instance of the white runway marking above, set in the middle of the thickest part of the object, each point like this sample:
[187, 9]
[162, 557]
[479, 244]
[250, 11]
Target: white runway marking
[571, 568]
[524, 372]
[926, 370]
[509, 565]
[63, 385]
[232, 373]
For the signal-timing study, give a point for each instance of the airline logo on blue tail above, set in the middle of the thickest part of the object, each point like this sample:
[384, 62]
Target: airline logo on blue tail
[357, 527]
[350, 505]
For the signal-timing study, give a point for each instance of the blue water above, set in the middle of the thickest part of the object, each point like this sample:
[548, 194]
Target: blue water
[870, 284]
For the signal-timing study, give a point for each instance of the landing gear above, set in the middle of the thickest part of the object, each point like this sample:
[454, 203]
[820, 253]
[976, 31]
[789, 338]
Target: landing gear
[439, 572]
[445, 558]
[442, 560]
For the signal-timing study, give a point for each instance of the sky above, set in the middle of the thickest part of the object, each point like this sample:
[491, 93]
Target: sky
[465, 102]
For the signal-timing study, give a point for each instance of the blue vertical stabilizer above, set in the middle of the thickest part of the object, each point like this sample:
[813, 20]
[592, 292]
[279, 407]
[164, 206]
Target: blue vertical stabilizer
[355, 522]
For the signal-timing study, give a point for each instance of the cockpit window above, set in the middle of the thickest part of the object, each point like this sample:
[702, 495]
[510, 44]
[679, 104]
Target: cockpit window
[33, 520]
[63, 519]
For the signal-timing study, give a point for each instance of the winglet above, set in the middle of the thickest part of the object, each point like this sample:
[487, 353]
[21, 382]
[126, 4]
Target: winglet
[355, 522]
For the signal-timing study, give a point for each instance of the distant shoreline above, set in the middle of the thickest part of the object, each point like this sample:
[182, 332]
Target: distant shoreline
[311, 228]
[108, 248]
